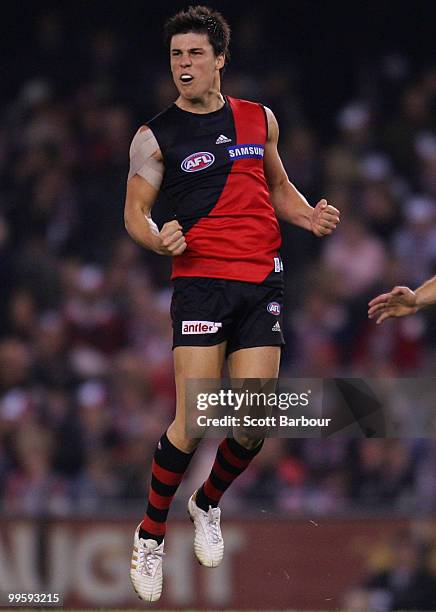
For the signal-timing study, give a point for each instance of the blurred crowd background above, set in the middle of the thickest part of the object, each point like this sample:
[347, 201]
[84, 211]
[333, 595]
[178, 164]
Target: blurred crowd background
[86, 380]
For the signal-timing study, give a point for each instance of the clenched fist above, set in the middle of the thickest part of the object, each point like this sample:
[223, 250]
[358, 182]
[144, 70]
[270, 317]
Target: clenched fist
[324, 219]
[170, 240]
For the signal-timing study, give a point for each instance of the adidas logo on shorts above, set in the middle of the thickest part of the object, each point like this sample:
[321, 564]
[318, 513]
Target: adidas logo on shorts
[222, 139]
[276, 327]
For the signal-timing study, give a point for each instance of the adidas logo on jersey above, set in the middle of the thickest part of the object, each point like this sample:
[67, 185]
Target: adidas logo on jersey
[222, 139]
[276, 327]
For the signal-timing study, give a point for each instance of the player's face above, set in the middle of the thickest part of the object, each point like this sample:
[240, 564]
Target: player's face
[194, 65]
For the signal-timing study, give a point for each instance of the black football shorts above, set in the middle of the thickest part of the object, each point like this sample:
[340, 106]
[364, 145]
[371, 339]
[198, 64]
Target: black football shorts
[208, 311]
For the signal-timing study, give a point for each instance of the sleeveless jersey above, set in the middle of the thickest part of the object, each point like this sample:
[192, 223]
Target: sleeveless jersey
[214, 185]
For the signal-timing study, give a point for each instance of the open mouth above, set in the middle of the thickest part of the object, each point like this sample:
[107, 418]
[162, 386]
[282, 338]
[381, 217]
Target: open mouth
[186, 78]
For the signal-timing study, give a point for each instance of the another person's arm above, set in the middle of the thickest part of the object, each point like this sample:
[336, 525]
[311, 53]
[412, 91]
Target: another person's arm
[402, 301]
[145, 177]
[289, 204]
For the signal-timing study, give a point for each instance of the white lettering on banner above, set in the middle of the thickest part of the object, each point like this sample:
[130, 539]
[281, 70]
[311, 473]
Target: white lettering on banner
[179, 571]
[100, 566]
[220, 584]
[89, 564]
[61, 566]
[23, 545]
[18, 562]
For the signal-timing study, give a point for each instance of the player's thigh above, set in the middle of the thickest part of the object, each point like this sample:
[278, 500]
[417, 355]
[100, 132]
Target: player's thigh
[260, 362]
[255, 362]
[195, 362]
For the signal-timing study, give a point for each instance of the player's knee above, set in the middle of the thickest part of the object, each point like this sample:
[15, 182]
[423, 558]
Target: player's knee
[248, 440]
[177, 436]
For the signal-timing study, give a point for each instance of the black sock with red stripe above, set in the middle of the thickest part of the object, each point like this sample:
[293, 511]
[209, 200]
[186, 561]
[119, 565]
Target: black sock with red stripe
[168, 468]
[230, 461]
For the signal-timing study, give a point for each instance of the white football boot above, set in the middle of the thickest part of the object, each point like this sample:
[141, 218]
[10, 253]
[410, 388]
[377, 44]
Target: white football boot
[208, 541]
[146, 568]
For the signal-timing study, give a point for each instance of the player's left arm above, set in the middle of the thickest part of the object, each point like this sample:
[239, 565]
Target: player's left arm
[289, 204]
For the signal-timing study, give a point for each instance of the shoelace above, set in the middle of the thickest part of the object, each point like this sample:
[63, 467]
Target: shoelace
[147, 560]
[213, 519]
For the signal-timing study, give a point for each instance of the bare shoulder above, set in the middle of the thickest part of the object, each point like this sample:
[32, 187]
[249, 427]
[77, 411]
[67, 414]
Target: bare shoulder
[273, 126]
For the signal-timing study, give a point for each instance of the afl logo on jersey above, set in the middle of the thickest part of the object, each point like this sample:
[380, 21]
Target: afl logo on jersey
[273, 308]
[197, 161]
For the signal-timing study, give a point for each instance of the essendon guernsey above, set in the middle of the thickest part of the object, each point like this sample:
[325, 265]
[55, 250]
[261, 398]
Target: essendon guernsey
[215, 187]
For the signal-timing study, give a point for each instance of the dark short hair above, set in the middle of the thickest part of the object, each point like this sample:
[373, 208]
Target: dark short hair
[202, 20]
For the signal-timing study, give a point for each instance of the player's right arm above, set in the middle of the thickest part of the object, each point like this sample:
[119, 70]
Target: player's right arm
[289, 204]
[402, 301]
[143, 183]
